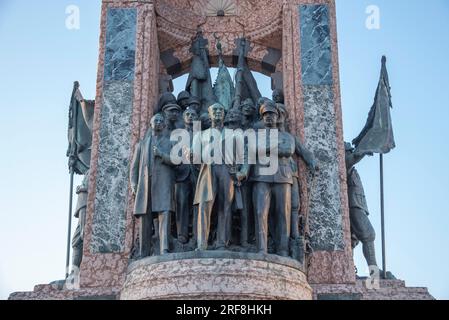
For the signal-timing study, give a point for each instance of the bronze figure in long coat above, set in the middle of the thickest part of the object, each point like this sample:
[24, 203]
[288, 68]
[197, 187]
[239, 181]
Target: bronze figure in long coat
[153, 182]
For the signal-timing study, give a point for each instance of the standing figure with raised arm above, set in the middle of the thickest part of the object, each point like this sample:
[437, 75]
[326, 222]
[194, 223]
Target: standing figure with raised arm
[199, 83]
[361, 228]
[297, 237]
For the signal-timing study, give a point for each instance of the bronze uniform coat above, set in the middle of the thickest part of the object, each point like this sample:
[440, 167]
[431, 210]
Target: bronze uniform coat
[147, 170]
[285, 172]
[356, 194]
[204, 190]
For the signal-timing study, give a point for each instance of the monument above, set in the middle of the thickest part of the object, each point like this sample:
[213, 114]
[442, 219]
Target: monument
[154, 228]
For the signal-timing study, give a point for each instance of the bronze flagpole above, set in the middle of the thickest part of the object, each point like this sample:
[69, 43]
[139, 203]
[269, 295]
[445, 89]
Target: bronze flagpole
[69, 228]
[382, 215]
[72, 155]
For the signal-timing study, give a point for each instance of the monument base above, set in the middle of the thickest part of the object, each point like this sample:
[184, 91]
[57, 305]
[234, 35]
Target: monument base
[223, 275]
[212, 275]
[55, 292]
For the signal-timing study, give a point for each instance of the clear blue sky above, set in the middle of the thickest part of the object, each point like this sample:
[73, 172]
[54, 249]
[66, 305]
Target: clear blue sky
[40, 59]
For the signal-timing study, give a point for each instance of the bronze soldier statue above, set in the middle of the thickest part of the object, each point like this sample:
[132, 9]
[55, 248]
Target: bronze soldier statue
[199, 83]
[275, 188]
[80, 144]
[361, 228]
[153, 184]
[297, 222]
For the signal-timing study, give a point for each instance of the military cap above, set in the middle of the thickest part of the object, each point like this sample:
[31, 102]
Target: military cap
[268, 106]
[183, 95]
[171, 106]
[194, 100]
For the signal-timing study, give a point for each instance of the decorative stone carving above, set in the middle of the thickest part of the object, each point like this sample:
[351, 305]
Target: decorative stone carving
[220, 8]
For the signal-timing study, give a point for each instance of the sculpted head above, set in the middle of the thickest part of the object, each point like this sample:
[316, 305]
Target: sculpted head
[248, 107]
[183, 99]
[195, 104]
[270, 114]
[205, 121]
[216, 112]
[233, 119]
[190, 116]
[158, 123]
[171, 112]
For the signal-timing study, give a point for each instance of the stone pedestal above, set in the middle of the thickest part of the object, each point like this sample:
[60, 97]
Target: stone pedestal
[146, 287]
[225, 276]
[366, 290]
[216, 276]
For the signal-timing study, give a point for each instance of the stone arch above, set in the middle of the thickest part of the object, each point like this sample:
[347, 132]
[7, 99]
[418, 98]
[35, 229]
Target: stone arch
[178, 22]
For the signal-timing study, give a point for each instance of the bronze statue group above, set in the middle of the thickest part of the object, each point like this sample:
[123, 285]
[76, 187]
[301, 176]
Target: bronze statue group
[218, 206]
[233, 206]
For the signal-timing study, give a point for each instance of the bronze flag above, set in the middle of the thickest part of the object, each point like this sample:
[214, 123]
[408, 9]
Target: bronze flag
[80, 132]
[377, 135]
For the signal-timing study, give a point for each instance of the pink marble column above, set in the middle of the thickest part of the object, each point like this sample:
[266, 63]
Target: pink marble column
[326, 266]
[107, 267]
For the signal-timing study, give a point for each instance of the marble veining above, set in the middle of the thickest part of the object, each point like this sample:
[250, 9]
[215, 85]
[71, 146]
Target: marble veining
[120, 44]
[325, 216]
[111, 195]
[316, 54]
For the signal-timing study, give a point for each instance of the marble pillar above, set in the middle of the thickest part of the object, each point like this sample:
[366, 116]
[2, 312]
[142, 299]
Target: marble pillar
[312, 88]
[328, 211]
[127, 86]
